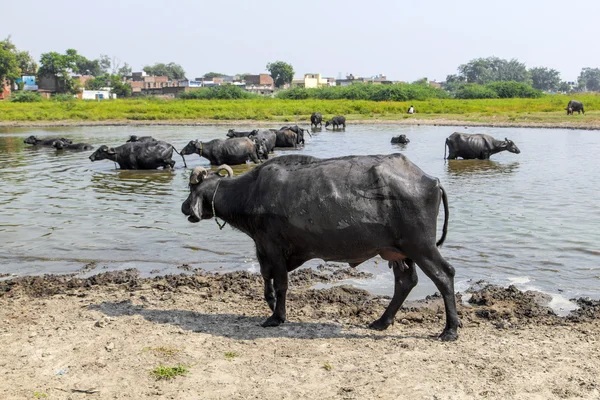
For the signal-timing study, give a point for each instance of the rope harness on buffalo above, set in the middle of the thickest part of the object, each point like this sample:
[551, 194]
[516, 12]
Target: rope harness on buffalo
[221, 226]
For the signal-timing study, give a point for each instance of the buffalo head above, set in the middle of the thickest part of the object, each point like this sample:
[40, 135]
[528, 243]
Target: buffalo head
[511, 146]
[31, 140]
[58, 144]
[231, 133]
[193, 147]
[261, 147]
[103, 153]
[132, 138]
[203, 184]
[327, 123]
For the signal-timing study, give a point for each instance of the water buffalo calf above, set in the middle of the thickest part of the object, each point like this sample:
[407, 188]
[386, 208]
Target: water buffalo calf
[232, 151]
[44, 142]
[137, 155]
[336, 122]
[316, 119]
[476, 146]
[367, 206]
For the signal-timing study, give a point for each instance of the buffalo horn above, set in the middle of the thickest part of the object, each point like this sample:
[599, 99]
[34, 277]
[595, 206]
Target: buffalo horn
[225, 168]
[198, 174]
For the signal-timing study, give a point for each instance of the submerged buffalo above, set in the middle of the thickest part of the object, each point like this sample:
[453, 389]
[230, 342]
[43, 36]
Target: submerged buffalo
[138, 155]
[476, 146]
[346, 209]
[134, 138]
[45, 142]
[573, 106]
[336, 122]
[400, 139]
[231, 151]
[316, 119]
[298, 131]
[60, 145]
[233, 133]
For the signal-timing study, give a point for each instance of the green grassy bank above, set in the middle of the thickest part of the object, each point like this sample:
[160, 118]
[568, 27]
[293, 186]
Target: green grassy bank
[548, 109]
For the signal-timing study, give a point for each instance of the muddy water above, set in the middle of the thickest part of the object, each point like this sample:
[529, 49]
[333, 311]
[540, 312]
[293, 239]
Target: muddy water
[531, 219]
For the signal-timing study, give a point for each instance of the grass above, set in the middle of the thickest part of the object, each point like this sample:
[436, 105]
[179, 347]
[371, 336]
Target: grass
[327, 366]
[163, 350]
[39, 395]
[167, 373]
[230, 355]
[548, 109]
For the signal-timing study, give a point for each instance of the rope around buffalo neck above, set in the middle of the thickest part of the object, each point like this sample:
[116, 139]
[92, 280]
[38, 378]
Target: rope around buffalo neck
[221, 226]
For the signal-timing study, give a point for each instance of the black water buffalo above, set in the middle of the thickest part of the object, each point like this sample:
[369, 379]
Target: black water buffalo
[137, 155]
[134, 138]
[346, 209]
[286, 138]
[401, 139]
[573, 106]
[266, 136]
[299, 131]
[476, 146]
[45, 142]
[336, 122]
[230, 151]
[233, 133]
[316, 119]
[60, 145]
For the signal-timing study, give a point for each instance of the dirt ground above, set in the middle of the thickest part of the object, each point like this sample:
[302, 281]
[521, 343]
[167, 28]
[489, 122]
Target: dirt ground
[437, 121]
[62, 337]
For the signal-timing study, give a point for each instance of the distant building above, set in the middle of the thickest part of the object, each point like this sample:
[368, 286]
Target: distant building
[98, 94]
[261, 84]
[350, 79]
[436, 84]
[29, 82]
[141, 80]
[311, 81]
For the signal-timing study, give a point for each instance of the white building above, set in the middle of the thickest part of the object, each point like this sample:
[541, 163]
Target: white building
[97, 95]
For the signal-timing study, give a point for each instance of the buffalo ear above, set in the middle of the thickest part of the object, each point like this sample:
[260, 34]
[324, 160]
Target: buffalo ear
[111, 150]
[198, 144]
[506, 139]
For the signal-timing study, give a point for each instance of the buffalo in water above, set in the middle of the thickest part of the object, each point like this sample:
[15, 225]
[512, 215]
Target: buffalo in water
[266, 136]
[134, 138]
[44, 142]
[232, 151]
[298, 131]
[138, 155]
[476, 146]
[368, 205]
[316, 119]
[60, 145]
[233, 133]
[573, 106]
[400, 139]
[336, 122]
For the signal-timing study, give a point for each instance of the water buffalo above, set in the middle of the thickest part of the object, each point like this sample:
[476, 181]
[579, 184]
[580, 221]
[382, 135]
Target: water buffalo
[575, 105]
[138, 155]
[60, 145]
[233, 133]
[266, 136]
[134, 138]
[286, 138]
[336, 121]
[346, 209]
[231, 151]
[298, 131]
[45, 142]
[480, 146]
[316, 119]
[401, 139]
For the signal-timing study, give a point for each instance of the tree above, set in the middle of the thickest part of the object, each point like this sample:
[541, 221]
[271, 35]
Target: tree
[493, 69]
[564, 87]
[281, 72]
[545, 78]
[172, 70]
[9, 67]
[105, 63]
[211, 75]
[589, 79]
[58, 65]
[125, 70]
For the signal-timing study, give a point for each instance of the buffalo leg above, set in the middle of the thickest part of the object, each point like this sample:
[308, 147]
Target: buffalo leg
[269, 293]
[280, 280]
[442, 274]
[405, 278]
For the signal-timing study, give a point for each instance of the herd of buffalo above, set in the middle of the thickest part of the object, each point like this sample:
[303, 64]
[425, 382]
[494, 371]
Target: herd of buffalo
[298, 207]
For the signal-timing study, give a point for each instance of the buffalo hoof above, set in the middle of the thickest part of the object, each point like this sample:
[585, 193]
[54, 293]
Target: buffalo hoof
[379, 325]
[272, 321]
[449, 335]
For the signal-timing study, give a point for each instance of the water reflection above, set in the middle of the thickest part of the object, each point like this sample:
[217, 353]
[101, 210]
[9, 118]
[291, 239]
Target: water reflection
[480, 167]
[148, 182]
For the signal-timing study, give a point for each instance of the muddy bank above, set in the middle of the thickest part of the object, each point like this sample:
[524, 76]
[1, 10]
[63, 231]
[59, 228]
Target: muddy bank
[101, 337]
[585, 125]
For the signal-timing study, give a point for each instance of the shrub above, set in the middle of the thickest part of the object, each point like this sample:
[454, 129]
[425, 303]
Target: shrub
[225, 92]
[366, 91]
[511, 89]
[25, 97]
[63, 97]
[475, 91]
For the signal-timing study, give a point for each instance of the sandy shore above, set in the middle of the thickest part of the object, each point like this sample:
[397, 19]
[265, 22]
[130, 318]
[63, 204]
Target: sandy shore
[584, 125]
[62, 337]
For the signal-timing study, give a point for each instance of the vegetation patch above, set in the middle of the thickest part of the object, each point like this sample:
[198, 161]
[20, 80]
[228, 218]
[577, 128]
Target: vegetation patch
[165, 351]
[230, 355]
[163, 372]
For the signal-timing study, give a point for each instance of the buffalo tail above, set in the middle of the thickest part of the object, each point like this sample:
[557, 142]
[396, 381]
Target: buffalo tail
[446, 216]
[182, 157]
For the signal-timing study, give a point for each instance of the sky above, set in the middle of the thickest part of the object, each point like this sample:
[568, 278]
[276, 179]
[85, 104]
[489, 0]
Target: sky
[403, 40]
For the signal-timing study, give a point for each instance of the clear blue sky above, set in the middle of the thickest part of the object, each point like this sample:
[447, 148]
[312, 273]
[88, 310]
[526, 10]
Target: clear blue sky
[404, 40]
